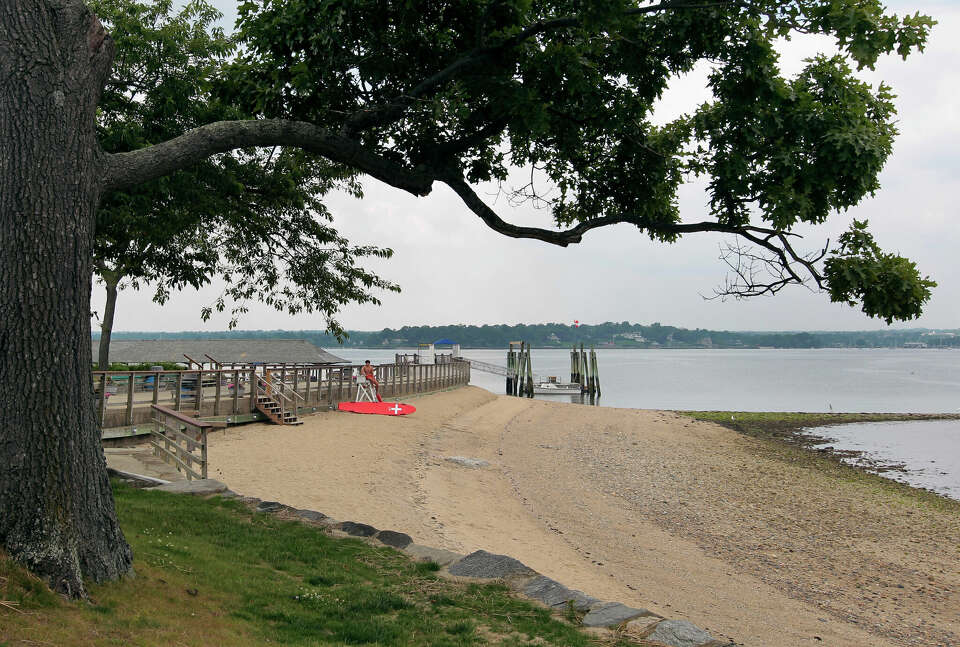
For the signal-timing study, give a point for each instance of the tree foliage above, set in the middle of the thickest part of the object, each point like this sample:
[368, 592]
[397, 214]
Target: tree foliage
[463, 91]
[886, 284]
[252, 217]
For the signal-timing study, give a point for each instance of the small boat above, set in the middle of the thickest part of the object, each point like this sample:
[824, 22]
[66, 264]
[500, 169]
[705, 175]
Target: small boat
[556, 388]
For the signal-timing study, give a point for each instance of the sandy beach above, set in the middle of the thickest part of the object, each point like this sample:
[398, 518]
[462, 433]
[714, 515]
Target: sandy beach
[650, 508]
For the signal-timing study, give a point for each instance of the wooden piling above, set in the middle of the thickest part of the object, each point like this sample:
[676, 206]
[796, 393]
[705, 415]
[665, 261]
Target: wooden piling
[522, 368]
[591, 378]
[596, 370]
[529, 373]
[582, 369]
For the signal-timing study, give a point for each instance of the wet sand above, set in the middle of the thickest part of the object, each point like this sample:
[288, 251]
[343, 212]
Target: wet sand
[685, 518]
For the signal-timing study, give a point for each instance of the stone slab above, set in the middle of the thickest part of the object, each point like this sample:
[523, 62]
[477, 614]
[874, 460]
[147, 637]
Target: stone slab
[311, 515]
[357, 529]
[273, 507]
[201, 487]
[481, 564]
[641, 626]
[680, 633]
[429, 554]
[554, 594]
[611, 614]
[140, 478]
[394, 538]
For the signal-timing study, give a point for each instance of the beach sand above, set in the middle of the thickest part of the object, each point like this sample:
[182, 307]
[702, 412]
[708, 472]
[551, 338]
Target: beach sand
[685, 518]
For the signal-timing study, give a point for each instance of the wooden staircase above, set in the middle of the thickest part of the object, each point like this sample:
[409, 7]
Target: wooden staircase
[277, 402]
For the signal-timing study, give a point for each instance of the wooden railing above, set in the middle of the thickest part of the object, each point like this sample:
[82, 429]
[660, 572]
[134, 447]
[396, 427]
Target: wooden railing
[124, 399]
[176, 438]
[278, 400]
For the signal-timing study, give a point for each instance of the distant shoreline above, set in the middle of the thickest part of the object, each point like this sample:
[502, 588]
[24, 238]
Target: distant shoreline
[599, 346]
[621, 336]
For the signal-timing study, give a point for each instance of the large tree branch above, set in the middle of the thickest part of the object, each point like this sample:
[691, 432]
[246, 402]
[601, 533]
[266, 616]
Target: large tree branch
[124, 170]
[394, 109]
[575, 234]
[788, 263]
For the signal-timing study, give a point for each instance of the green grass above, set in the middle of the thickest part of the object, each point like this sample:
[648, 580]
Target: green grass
[213, 572]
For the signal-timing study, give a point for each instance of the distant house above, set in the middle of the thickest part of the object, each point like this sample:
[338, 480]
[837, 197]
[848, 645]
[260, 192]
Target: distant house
[224, 351]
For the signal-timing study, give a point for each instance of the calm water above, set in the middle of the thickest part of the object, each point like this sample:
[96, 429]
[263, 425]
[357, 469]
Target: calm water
[841, 380]
[762, 380]
[875, 380]
[930, 451]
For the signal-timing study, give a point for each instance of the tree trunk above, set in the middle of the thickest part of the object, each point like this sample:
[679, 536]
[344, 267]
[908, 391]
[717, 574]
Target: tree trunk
[111, 280]
[56, 509]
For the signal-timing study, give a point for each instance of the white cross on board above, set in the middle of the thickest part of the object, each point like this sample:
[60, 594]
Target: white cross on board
[396, 409]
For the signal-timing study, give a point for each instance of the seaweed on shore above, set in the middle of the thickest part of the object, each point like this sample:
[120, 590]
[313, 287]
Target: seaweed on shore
[791, 432]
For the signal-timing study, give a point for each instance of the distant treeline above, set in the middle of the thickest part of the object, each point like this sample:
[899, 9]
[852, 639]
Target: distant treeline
[609, 334]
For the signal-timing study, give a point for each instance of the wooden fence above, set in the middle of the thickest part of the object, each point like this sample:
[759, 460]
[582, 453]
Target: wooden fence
[125, 399]
[176, 439]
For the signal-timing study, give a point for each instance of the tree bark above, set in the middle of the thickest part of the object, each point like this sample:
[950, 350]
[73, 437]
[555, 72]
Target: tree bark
[57, 513]
[124, 170]
[111, 280]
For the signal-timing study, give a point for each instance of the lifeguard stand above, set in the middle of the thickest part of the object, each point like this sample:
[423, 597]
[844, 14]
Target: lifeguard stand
[365, 390]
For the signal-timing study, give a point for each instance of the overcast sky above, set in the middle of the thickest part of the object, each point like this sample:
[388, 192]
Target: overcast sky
[455, 270]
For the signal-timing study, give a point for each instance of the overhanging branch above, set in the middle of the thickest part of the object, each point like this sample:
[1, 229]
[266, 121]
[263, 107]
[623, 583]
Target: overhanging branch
[124, 170]
[786, 264]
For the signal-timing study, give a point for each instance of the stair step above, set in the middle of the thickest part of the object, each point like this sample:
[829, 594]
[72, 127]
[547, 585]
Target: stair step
[269, 407]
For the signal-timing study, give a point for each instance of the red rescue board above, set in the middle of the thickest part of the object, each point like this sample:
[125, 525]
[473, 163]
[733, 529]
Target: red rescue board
[379, 408]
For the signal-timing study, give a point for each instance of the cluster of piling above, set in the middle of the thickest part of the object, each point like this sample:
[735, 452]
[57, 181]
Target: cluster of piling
[584, 370]
[519, 370]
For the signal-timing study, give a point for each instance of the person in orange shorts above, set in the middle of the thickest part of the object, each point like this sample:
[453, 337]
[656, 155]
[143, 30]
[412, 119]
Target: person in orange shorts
[368, 372]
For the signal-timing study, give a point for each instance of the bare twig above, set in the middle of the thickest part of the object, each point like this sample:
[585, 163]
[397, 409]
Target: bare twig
[8, 604]
[755, 273]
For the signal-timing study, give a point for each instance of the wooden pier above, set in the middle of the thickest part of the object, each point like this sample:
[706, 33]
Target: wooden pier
[125, 399]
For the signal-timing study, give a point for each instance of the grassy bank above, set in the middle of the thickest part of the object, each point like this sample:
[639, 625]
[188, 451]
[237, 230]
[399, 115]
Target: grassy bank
[211, 572]
[784, 435]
